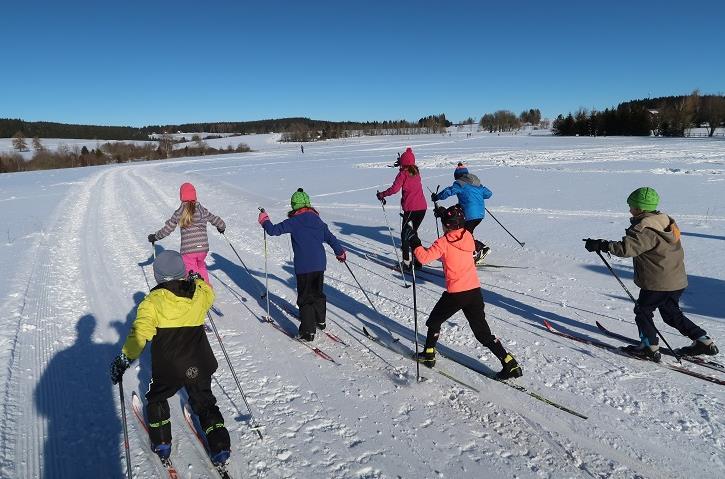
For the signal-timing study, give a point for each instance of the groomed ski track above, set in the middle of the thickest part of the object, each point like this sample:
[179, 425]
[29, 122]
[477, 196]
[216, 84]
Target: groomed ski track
[364, 418]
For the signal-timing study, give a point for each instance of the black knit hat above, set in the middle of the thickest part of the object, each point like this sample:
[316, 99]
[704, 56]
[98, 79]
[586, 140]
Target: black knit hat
[453, 218]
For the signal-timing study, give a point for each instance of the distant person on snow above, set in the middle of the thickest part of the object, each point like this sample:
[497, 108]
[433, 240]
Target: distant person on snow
[308, 233]
[463, 290]
[192, 218]
[472, 197]
[412, 201]
[302, 147]
[653, 243]
[172, 318]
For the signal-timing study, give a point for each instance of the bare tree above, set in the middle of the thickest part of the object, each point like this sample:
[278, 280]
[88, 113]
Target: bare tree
[19, 142]
[37, 145]
[166, 144]
[713, 112]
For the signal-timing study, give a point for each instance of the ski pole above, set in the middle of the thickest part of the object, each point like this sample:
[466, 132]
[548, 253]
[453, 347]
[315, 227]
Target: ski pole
[153, 249]
[261, 295]
[415, 321]
[125, 430]
[502, 226]
[395, 250]
[266, 274]
[435, 208]
[599, 253]
[369, 301]
[253, 422]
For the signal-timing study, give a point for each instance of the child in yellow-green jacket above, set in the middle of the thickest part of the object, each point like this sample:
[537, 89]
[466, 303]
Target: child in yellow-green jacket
[172, 318]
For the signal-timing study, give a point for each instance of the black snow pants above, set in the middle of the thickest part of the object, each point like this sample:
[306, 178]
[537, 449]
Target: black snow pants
[471, 302]
[470, 225]
[668, 304]
[311, 301]
[203, 404]
[415, 217]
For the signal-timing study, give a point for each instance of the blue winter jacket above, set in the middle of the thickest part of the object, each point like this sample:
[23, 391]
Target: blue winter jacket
[308, 233]
[471, 195]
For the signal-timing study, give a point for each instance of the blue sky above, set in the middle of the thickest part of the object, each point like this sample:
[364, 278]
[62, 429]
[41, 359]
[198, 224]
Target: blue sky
[140, 63]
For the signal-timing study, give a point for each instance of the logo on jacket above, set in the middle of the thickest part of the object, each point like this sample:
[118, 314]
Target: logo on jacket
[192, 372]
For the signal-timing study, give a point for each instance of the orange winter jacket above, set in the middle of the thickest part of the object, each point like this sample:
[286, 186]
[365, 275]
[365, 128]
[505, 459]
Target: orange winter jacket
[455, 249]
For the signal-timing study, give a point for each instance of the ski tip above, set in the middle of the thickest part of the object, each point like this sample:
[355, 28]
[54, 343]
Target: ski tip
[548, 325]
[599, 325]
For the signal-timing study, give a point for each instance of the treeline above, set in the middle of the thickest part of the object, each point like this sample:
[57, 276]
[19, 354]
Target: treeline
[505, 120]
[312, 130]
[107, 153]
[44, 129]
[669, 116]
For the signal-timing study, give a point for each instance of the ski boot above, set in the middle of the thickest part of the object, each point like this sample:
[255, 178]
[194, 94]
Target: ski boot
[480, 255]
[407, 265]
[220, 458]
[162, 450]
[309, 337]
[427, 357]
[511, 369]
[644, 352]
[703, 345]
[321, 325]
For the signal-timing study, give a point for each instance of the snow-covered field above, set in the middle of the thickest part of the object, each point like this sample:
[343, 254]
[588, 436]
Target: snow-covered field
[76, 262]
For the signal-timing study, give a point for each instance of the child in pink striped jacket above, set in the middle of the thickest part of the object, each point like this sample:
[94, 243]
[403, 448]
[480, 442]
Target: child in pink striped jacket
[192, 219]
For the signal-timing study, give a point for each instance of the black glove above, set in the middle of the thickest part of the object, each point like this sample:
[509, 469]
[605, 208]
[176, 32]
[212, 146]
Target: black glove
[152, 238]
[193, 276]
[119, 366]
[439, 212]
[380, 197]
[221, 230]
[593, 245]
[414, 241]
[434, 197]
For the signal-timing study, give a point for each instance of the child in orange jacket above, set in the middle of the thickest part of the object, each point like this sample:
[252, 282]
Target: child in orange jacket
[463, 290]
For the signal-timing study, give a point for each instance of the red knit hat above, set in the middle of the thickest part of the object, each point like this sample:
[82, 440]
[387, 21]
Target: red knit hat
[407, 158]
[187, 192]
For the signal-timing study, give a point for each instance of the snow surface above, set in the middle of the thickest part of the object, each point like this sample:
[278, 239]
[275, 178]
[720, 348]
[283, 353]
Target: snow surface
[76, 263]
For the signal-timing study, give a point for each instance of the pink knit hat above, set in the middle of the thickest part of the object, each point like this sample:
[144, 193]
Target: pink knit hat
[187, 192]
[407, 158]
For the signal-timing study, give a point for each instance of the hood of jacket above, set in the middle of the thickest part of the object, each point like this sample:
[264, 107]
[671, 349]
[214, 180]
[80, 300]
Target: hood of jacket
[662, 224]
[462, 240]
[468, 179]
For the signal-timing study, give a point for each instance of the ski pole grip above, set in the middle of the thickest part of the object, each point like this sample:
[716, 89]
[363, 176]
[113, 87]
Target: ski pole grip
[260, 209]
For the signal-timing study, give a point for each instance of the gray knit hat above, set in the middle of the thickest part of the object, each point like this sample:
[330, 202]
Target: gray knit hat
[168, 266]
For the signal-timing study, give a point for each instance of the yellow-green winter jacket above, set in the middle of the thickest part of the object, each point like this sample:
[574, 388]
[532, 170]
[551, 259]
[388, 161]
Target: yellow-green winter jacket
[172, 318]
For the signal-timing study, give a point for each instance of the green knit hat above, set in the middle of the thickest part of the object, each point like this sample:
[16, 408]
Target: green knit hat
[300, 199]
[645, 198]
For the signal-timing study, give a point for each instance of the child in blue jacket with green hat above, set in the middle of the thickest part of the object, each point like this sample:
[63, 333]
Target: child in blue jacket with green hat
[309, 233]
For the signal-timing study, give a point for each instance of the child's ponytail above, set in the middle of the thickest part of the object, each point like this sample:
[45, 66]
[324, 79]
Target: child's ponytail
[187, 216]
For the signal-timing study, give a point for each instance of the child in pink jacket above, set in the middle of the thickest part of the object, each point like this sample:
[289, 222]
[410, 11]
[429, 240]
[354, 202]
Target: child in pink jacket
[412, 200]
[192, 219]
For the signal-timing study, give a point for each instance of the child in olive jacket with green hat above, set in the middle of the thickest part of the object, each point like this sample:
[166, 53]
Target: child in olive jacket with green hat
[653, 243]
[308, 233]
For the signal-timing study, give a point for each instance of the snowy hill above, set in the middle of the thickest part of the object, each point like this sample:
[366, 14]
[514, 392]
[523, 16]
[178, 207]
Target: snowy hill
[76, 264]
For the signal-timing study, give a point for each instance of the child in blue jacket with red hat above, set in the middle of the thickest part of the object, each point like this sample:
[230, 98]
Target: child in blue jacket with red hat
[308, 233]
[472, 196]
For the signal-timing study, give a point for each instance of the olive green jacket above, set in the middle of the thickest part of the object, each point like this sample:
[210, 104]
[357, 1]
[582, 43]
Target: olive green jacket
[653, 243]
